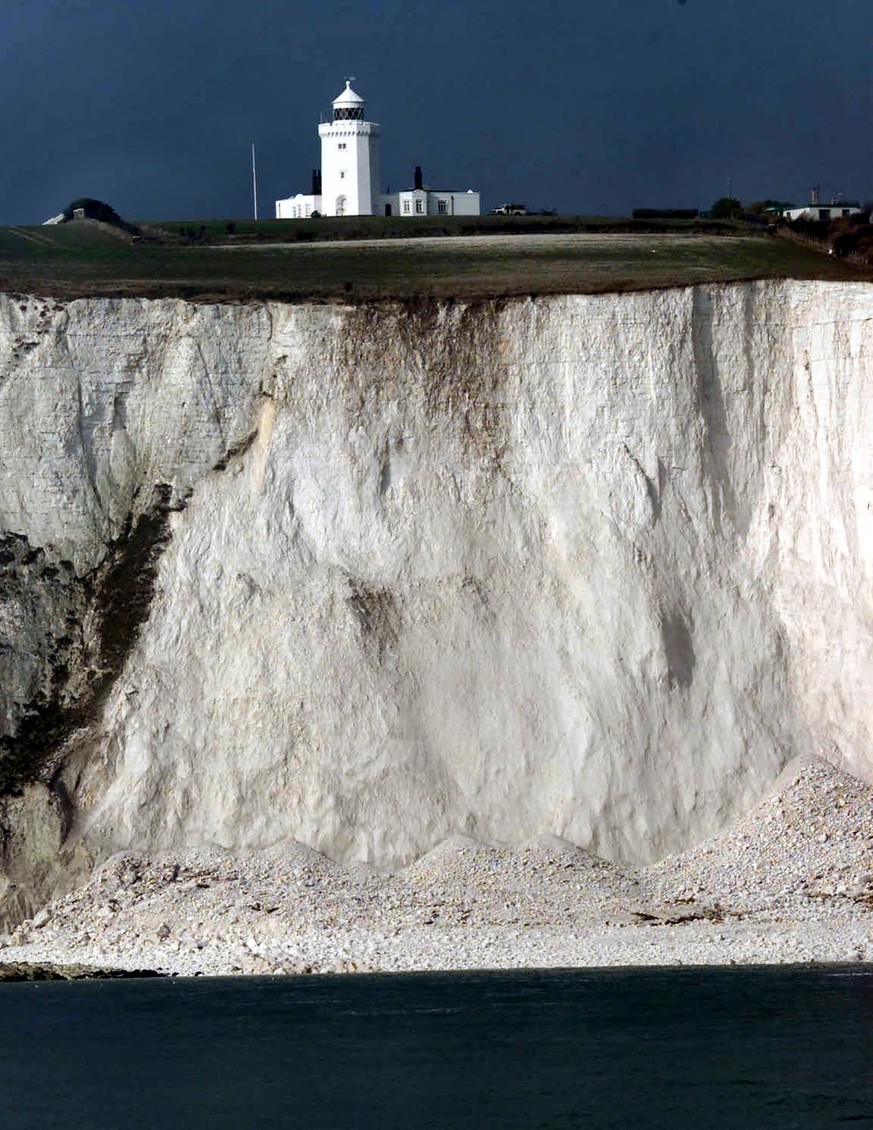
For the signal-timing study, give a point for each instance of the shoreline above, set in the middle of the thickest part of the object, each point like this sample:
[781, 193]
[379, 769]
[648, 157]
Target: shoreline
[846, 945]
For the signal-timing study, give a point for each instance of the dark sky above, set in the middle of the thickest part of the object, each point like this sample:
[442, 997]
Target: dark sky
[593, 108]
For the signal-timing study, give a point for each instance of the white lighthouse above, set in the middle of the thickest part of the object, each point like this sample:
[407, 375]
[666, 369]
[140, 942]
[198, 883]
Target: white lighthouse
[349, 159]
[348, 182]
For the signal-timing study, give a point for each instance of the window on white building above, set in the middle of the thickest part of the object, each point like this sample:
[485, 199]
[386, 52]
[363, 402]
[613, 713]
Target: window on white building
[443, 207]
[342, 174]
[406, 207]
[342, 145]
[419, 207]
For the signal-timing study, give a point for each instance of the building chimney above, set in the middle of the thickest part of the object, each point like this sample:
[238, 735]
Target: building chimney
[316, 182]
[417, 179]
[814, 194]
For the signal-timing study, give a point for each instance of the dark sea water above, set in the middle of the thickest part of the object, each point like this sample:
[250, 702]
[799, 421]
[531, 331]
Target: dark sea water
[603, 1048]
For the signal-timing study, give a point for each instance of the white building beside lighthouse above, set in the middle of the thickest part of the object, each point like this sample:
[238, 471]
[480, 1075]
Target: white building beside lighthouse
[348, 182]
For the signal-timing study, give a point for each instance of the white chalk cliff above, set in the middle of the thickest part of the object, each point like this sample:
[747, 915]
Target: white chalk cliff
[365, 577]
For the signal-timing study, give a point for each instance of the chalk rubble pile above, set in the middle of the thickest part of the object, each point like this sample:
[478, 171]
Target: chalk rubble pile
[791, 881]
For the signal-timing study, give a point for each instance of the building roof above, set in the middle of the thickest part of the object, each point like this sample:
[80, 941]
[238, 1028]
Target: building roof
[844, 205]
[447, 191]
[348, 97]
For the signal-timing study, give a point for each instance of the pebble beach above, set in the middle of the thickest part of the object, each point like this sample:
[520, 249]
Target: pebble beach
[791, 882]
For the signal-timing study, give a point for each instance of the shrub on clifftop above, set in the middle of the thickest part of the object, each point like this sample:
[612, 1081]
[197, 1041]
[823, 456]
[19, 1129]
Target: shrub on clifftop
[726, 208]
[86, 207]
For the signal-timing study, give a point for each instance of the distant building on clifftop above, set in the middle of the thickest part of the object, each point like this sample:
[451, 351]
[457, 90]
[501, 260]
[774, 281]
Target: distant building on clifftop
[816, 210]
[347, 184]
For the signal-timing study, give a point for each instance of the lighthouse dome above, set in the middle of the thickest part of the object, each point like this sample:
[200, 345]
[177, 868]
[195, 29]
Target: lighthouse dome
[348, 105]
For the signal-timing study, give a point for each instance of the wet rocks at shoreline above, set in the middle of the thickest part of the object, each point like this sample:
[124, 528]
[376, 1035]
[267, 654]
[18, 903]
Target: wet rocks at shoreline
[28, 971]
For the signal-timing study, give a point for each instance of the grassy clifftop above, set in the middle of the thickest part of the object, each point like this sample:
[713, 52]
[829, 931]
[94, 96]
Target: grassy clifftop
[314, 261]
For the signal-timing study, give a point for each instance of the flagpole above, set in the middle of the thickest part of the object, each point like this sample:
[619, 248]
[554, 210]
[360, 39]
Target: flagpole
[254, 181]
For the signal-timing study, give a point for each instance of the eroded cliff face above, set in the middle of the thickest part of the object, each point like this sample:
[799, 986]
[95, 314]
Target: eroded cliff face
[364, 577]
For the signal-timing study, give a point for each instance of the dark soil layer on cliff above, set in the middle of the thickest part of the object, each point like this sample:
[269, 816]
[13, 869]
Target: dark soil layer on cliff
[79, 260]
